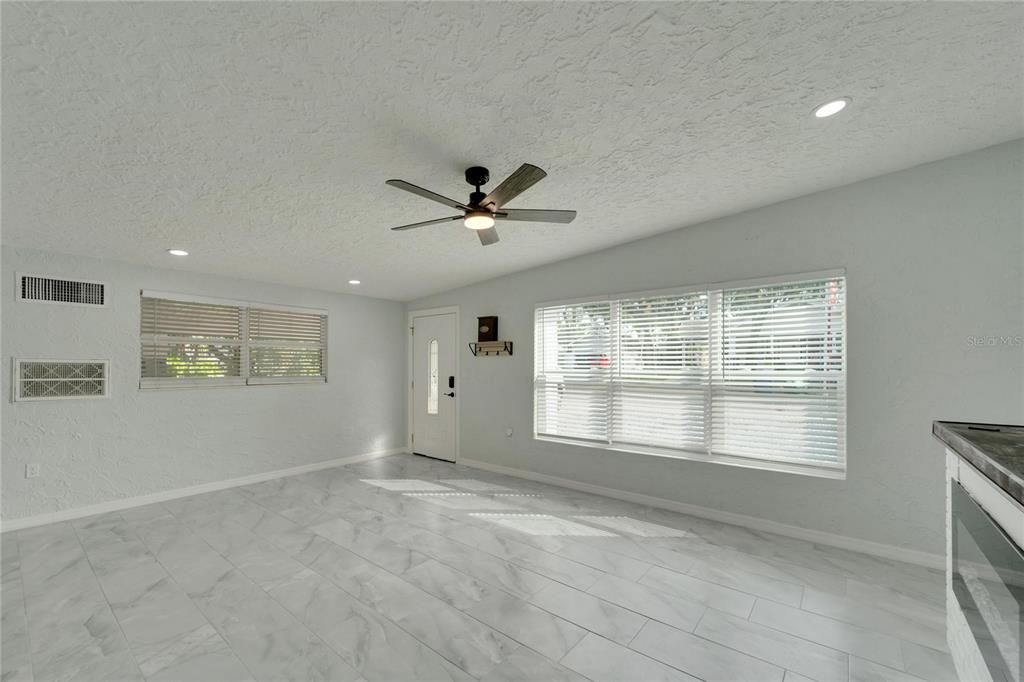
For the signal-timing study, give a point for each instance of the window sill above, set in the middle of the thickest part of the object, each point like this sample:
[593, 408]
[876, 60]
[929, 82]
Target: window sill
[234, 382]
[270, 381]
[162, 384]
[728, 460]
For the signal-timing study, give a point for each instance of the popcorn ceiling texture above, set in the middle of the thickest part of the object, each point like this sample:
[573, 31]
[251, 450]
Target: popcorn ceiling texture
[259, 135]
[139, 442]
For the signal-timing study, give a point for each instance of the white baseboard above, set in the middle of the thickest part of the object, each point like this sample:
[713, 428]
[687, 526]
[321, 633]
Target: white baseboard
[911, 556]
[166, 495]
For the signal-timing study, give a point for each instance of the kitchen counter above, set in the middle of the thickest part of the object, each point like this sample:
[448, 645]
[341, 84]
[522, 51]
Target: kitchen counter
[996, 450]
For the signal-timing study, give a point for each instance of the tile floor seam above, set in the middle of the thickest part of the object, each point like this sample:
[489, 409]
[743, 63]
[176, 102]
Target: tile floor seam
[170, 574]
[359, 601]
[482, 623]
[24, 606]
[744, 653]
[374, 610]
[643, 575]
[221, 633]
[414, 586]
[629, 645]
[581, 625]
[887, 667]
[465, 544]
[689, 572]
[898, 640]
[647, 616]
[652, 658]
[481, 526]
[106, 598]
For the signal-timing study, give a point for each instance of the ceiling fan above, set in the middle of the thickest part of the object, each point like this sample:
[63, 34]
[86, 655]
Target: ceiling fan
[480, 212]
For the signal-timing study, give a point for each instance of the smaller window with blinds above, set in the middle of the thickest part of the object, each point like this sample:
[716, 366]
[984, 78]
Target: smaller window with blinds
[286, 346]
[189, 341]
[60, 379]
[745, 373]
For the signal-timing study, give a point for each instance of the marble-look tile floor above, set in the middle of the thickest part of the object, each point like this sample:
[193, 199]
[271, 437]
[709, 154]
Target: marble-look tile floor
[406, 568]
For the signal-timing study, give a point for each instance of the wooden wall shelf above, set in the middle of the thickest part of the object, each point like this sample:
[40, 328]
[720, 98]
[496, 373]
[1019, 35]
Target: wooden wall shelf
[491, 348]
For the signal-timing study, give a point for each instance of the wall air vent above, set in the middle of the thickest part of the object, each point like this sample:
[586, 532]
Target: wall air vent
[58, 380]
[64, 291]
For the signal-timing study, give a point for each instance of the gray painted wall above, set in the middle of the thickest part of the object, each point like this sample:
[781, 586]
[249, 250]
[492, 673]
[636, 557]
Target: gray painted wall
[934, 256]
[139, 442]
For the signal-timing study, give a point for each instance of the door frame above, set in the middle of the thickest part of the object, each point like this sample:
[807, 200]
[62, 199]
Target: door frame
[409, 414]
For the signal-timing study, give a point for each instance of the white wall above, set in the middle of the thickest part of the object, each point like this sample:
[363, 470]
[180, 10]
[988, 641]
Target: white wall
[140, 442]
[934, 255]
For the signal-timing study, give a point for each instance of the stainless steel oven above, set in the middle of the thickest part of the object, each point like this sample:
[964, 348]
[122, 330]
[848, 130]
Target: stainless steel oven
[988, 582]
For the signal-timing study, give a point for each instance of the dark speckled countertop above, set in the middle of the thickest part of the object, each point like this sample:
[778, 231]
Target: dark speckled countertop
[995, 450]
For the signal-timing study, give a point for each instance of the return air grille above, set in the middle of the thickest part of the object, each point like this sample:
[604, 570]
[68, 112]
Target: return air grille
[54, 380]
[50, 290]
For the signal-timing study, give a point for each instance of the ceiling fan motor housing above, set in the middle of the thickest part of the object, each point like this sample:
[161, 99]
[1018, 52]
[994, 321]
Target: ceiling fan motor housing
[477, 175]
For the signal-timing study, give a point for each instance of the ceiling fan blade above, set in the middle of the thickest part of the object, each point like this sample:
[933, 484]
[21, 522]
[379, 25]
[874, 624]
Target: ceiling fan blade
[427, 194]
[524, 177]
[488, 236]
[536, 215]
[435, 221]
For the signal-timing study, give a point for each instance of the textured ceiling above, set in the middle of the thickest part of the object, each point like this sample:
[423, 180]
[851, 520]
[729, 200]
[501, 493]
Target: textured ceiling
[259, 136]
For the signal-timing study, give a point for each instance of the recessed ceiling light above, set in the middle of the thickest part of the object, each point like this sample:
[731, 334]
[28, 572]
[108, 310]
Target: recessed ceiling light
[831, 108]
[354, 281]
[177, 252]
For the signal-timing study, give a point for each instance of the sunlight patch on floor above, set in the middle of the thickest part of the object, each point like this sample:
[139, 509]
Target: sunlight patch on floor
[463, 501]
[474, 484]
[631, 526]
[405, 484]
[543, 524]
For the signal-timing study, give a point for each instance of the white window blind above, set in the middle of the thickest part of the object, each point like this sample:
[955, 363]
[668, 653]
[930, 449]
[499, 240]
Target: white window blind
[748, 374]
[573, 378]
[286, 344]
[190, 341]
[779, 384]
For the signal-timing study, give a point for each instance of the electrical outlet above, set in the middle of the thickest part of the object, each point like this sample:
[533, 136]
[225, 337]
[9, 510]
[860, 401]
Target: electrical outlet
[508, 432]
[32, 470]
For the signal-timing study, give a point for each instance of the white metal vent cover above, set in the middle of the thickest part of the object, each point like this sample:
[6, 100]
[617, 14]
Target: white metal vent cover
[60, 379]
[64, 291]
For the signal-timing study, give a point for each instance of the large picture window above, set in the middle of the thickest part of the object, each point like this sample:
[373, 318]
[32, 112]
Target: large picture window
[191, 341]
[750, 373]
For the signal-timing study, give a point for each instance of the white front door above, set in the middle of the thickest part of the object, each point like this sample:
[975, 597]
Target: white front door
[433, 385]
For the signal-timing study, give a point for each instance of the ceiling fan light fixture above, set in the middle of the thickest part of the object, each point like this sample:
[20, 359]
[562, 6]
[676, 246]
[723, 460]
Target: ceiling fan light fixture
[478, 220]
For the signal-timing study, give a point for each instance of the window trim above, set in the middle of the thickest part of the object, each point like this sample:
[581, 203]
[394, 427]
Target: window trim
[819, 471]
[829, 471]
[165, 383]
[690, 288]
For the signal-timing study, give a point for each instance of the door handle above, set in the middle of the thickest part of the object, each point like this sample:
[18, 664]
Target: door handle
[450, 395]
